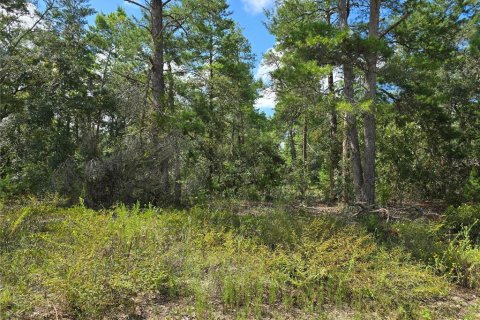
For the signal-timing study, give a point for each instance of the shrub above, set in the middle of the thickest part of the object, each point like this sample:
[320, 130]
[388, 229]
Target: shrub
[446, 245]
[471, 190]
[465, 216]
[461, 260]
[91, 265]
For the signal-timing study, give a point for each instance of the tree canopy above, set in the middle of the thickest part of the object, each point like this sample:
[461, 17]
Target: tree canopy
[377, 101]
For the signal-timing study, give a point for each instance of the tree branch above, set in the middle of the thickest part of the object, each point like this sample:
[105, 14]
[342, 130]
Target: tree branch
[126, 76]
[393, 26]
[390, 95]
[179, 24]
[138, 4]
[17, 42]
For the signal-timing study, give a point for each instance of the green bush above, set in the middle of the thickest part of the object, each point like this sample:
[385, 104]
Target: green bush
[471, 190]
[465, 216]
[461, 260]
[446, 245]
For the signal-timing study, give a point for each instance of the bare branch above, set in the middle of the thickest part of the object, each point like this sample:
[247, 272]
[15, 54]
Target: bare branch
[389, 94]
[138, 4]
[17, 42]
[396, 24]
[126, 76]
[179, 23]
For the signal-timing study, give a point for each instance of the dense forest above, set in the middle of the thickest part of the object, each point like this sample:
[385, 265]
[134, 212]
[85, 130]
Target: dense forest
[139, 181]
[161, 111]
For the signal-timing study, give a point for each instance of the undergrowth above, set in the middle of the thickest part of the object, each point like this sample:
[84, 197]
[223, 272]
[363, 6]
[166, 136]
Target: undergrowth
[450, 246]
[85, 264]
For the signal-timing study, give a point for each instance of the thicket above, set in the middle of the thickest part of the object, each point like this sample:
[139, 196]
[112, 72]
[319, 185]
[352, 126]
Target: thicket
[112, 112]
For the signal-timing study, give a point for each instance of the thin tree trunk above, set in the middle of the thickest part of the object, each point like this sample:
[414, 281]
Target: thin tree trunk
[333, 134]
[145, 106]
[355, 156]
[232, 139]
[212, 166]
[158, 59]
[76, 128]
[178, 177]
[171, 88]
[305, 142]
[369, 116]
[210, 69]
[241, 130]
[177, 189]
[334, 150]
[352, 131]
[305, 156]
[97, 134]
[158, 79]
[345, 164]
[293, 151]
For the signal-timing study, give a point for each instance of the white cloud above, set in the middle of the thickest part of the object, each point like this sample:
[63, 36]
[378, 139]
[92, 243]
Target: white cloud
[268, 98]
[25, 20]
[256, 6]
[28, 20]
[263, 72]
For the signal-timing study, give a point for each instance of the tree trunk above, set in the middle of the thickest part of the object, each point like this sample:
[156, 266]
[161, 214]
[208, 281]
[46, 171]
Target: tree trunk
[171, 88]
[145, 106]
[352, 131]
[355, 156]
[305, 142]
[345, 165]
[158, 58]
[369, 116]
[210, 72]
[232, 140]
[177, 189]
[305, 156]
[158, 80]
[334, 148]
[178, 177]
[241, 129]
[293, 151]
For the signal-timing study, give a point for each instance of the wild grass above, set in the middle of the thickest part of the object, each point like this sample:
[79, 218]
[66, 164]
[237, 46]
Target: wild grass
[78, 263]
[449, 245]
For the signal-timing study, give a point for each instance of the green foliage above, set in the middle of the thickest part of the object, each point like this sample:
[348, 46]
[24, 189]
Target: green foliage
[471, 190]
[450, 246]
[461, 260]
[94, 264]
[77, 118]
[464, 218]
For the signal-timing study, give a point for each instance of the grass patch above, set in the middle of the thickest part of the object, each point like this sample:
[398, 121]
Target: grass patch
[450, 245]
[86, 264]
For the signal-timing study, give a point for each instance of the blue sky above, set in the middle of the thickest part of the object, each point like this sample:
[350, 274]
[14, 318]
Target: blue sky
[248, 14]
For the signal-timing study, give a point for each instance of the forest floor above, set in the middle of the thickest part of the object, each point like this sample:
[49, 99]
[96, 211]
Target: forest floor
[239, 260]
